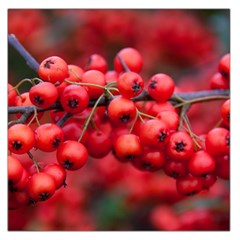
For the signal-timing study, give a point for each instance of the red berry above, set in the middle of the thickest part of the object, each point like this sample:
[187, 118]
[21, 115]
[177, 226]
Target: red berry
[130, 84]
[61, 87]
[208, 180]
[53, 69]
[74, 99]
[75, 73]
[224, 66]
[18, 199]
[223, 167]
[22, 183]
[154, 133]
[170, 118]
[15, 170]
[94, 77]
[96, 62]
[225, 112]
[218, 142]
[131, 57]
[41, 186]
[189, 185]
[72, 155]
[217, 81]
[121, 110]
[180, 146]
[99, 144]
[43, 95]
[20, 139]
[161, 87]
[24, 100]
[127, 147]
[175, 169]
[201, 163]
[155, 108]
[151, 160]
[111, 76]
[72, 131]
[58, 174]
[199, 219]
[12, 94]
[118, 131]
[164, 218]
[49, 137]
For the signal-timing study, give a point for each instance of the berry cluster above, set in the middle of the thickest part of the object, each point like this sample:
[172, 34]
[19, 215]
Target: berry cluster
[221, 79]
[182, 39]
[95, 111]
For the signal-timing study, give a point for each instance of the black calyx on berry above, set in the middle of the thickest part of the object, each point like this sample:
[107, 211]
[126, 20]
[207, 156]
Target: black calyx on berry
[48, 63]
[180, 146]
[73, 103]
[67, 164]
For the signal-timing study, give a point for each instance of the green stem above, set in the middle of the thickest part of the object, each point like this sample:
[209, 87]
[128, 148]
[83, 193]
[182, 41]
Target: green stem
[145, 114]
[85, 84]
[85, 126]
[187, 122]
[20, 83]
[202, 99]
[113, 89]
[112, 84]
[182, 113]
[34, 117]
[75, 74]
[35, 161]
[133, 124]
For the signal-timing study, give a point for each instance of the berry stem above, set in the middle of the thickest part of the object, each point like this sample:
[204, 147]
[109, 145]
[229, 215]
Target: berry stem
[109, 92]
[75, 74]
[182, 113]
[86, 123]
[20, 83]
[189, 129]
[113, 89]
[145, 114]
[112, 84]
[140, 116]
[38, 166]
[218, 124]
[34, 117]
[85, 84]
[133, 124]
[201, 99]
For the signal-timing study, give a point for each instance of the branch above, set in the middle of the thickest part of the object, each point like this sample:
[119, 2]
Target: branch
[178, 100]
[30, 109]
[189, 98]
[202, 96]
[31, 62]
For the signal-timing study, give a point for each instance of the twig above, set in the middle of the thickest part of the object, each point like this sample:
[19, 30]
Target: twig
[31, 62]
[65, 117]
[124, 65]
